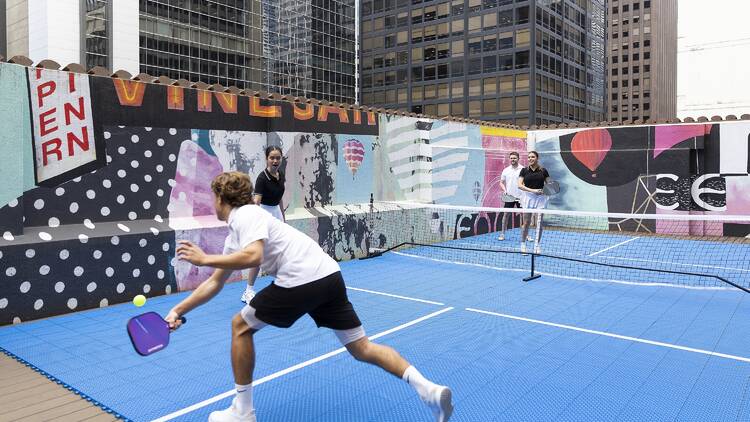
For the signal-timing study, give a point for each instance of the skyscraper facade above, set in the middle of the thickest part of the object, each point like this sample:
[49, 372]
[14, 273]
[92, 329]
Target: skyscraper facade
[642, 60]
[519, 62]
[295, 47]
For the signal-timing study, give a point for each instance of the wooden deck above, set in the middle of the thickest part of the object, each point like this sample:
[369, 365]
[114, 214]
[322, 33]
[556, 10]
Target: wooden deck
[26, 395]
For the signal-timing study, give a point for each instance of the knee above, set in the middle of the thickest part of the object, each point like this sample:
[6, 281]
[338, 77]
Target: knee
[239, 326]
[360, 349]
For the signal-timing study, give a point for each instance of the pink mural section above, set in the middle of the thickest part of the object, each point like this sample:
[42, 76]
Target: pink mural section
[669, 136]
[497, 144]
[191, 194]
[687, 228]
[191, 207]
[738, 195]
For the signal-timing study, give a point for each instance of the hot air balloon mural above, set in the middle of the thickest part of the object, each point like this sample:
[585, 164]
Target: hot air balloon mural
[354, 153]
[590, 147]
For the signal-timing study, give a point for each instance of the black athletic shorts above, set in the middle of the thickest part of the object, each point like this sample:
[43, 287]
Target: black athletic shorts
[324, 299]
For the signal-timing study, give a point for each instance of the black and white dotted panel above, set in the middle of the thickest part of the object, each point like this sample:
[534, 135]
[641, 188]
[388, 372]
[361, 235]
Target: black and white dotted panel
[134, 185]
[50, 269]
[52, 278]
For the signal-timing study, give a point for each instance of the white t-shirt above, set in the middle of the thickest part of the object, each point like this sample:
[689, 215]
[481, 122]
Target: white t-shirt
[289, 255]
[510, 179]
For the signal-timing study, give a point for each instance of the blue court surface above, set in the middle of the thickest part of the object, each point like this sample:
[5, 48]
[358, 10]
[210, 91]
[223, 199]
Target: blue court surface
[555, 348]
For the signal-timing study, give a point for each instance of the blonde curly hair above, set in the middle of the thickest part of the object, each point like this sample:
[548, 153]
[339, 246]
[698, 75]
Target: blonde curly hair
[233, 188]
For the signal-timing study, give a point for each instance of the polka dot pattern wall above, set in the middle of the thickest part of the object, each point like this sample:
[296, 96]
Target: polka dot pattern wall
[98, 239]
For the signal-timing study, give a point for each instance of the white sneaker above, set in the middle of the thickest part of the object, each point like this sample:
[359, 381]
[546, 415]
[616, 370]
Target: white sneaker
[231, 414]
[523, 247]
[530, 238]
[537, 249]
[441, 403]
[501, 237]
[248, 294]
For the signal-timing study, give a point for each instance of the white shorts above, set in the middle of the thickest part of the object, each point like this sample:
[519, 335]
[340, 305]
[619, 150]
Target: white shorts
[534, 201]
[344, 336]
[274, 210]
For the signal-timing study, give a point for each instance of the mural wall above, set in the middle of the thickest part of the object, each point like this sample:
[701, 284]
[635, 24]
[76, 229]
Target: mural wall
[102, 176]
[669, 169]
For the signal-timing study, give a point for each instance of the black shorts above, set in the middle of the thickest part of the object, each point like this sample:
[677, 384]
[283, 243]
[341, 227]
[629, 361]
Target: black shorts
[324, 299]
[514, 204]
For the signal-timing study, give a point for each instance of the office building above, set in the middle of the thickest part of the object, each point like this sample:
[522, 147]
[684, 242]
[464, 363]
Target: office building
[642, 60]
[295, 47]
[519, 62]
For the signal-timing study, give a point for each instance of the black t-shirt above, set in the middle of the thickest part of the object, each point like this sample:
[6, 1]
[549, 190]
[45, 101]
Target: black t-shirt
[534, 179]
[270, 189]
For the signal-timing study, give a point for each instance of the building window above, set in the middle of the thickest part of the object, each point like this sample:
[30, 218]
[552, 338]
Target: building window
[97, 33]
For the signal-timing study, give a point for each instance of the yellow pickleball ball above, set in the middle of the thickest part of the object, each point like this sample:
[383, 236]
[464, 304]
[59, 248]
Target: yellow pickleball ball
[139, 300]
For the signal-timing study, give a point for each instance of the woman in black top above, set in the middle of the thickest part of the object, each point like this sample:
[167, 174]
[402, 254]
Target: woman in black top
[531, 180]
[269, 189]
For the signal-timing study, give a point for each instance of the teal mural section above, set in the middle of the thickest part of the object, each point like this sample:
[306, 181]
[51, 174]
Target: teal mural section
[17, 171]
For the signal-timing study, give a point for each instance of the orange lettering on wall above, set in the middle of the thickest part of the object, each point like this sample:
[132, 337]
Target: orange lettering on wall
[324, 110]
[204, 100]
[258, 110]
[130, 93]
[228, 102]
[175, 98]
[305, 113]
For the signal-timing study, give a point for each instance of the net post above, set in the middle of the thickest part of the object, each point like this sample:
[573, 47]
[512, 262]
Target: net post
[371, 252]
[532, 276]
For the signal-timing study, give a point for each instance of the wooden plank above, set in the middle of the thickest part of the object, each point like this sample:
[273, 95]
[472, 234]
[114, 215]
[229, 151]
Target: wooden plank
[27, 395]
[13, 374]
[39, 407]
[83, 414]
[103, 417]
[60, 411]
[28, 398]
[23, 384]
[40, 389]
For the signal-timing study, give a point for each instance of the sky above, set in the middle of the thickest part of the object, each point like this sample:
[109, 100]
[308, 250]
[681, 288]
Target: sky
[713, 56]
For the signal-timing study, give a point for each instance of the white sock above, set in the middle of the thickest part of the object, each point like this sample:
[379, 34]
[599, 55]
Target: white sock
[244, 398]
[419, 383]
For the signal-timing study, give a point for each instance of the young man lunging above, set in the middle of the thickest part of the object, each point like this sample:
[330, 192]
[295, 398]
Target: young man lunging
[307, 281]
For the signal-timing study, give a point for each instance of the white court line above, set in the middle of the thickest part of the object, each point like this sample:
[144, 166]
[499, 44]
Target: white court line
[490, 267]
[396, 296]
[683, 264]
[618, 336]
[301, 365]
[614, 246]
